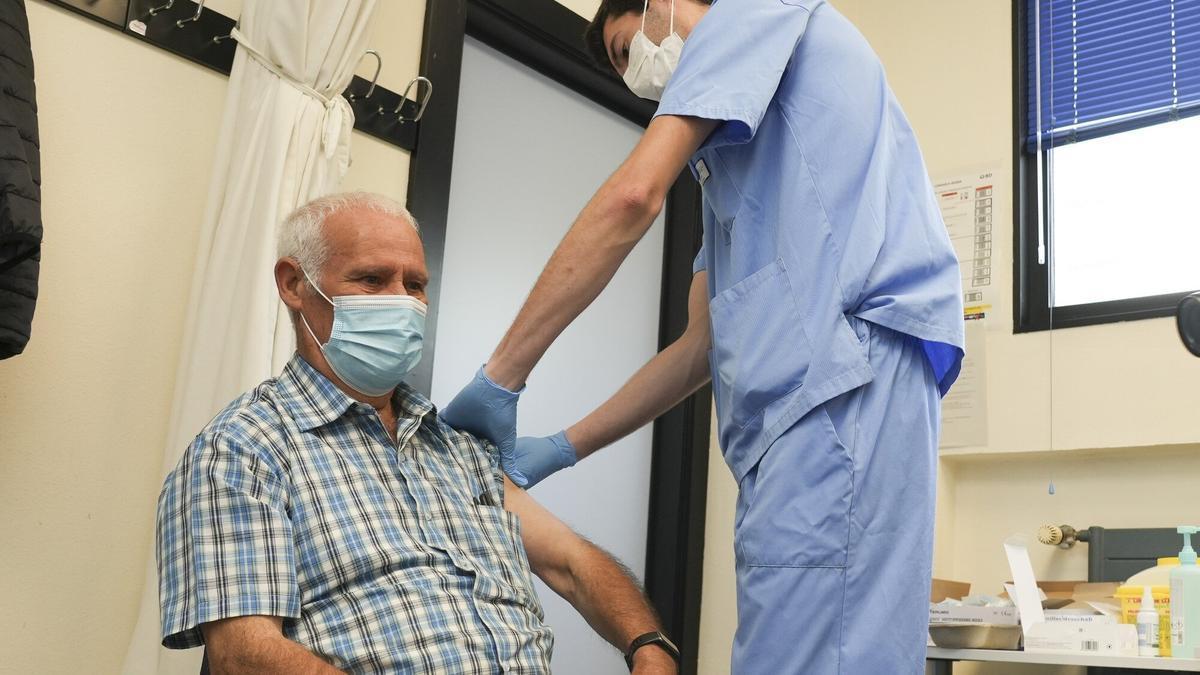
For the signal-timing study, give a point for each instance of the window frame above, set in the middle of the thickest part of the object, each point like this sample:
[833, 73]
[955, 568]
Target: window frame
[1032, 310]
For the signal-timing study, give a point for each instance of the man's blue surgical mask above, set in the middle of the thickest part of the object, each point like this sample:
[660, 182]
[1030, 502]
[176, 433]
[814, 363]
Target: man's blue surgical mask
[375, 340]
[651, 66]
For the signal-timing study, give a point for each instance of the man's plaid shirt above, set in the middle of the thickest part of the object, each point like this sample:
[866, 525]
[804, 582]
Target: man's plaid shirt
[381, 555]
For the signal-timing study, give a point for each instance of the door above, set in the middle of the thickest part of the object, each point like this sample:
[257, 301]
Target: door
[528, 154]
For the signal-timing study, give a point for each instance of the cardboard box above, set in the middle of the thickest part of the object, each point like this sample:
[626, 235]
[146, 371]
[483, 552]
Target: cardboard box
[1092, 637]
[944, 588]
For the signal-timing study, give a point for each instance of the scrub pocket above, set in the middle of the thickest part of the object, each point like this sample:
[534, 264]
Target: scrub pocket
[760, 355]
[794, 505]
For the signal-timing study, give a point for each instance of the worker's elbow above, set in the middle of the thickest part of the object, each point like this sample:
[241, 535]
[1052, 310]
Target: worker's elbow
[696, 336]
[639, 202]
[696, 341]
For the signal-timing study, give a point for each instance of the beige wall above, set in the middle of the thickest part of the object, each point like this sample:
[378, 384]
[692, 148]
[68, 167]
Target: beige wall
[1104, 411]
[82, 412]
[127, 138]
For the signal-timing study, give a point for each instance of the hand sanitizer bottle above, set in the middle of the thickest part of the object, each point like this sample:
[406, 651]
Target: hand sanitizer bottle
[1185, 601]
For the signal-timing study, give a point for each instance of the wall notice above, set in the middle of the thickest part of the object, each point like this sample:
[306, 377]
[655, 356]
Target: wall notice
[968, 204]
[964, 410]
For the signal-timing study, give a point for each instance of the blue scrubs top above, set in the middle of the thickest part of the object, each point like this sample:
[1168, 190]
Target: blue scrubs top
[817, 206]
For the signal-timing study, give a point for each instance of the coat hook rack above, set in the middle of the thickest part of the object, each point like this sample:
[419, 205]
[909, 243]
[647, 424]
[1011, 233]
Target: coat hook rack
[201, 35]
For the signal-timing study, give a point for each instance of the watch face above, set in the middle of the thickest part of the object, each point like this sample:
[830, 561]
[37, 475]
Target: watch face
[666, 641]
[657, 639]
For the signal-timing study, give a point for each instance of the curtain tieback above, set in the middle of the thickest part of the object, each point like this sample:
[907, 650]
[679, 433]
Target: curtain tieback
[333, 111]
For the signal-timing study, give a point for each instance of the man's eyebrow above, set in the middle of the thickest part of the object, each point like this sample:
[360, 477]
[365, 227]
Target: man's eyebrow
[377, 270]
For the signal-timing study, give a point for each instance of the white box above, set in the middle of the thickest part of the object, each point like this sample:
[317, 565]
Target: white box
[1002, 616]
[1107, 639]
[1078, 617]
[1043, 636]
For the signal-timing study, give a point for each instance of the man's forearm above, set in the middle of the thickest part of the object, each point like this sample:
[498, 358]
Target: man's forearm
[253, 644]
[668, 378]
[602, 236]
[599, 587]
[278, 656]
[607, 594]
[585, 261]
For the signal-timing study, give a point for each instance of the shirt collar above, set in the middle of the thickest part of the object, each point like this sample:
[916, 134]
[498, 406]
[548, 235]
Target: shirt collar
[313, 400]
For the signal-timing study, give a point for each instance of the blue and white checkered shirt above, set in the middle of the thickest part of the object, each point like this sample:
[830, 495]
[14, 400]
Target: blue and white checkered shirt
[381, 555]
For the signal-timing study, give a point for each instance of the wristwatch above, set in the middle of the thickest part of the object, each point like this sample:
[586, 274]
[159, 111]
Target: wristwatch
[651, 638]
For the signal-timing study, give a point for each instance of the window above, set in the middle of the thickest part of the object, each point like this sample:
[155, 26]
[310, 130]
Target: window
[1108, 159]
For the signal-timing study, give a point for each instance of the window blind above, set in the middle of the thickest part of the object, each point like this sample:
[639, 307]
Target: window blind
[1106, 66]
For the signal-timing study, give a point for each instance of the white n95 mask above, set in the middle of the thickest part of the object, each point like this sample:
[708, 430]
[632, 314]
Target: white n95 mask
[650, 65]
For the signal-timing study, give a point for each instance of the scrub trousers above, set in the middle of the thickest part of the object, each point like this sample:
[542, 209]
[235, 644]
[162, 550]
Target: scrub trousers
[834, 527]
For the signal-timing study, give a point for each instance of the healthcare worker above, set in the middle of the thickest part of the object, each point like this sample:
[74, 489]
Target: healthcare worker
[828, 292]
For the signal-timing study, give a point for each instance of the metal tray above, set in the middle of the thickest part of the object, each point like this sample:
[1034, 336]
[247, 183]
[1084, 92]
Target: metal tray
[975, 636]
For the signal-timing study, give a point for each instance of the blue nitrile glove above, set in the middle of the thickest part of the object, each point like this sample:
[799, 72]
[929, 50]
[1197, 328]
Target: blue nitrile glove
[487, 410]
[537, 458]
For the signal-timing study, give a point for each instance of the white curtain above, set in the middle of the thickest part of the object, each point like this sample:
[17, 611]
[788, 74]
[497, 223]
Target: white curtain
[285, 139]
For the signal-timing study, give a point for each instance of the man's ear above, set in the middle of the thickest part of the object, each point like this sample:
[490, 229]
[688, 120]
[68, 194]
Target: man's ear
[289, 280]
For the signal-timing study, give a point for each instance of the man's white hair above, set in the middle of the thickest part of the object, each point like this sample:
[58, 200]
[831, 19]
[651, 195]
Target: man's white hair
[302, 233]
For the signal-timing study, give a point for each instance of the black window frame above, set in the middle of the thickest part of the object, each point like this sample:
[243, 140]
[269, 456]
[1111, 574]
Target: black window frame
[1032, 310]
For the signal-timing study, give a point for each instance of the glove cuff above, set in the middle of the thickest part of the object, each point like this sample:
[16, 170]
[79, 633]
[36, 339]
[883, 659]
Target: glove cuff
[488, 381]
[567, 453]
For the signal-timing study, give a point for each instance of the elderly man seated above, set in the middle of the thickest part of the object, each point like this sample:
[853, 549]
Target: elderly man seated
[328, 521]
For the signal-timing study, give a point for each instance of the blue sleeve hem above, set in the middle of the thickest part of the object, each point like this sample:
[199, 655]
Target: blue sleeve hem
[739, 124]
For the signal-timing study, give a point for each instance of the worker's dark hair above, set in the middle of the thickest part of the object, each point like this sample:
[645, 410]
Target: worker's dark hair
[593, 37]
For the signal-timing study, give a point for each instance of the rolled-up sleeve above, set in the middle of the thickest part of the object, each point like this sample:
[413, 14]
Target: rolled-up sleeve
[732, 64]
[224, 539]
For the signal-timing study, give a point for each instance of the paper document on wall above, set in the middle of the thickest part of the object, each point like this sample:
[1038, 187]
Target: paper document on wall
[968, 203]
[964, 410]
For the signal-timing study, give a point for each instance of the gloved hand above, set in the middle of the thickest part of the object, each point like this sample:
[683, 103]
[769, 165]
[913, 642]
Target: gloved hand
[536, 458]
[487, 410]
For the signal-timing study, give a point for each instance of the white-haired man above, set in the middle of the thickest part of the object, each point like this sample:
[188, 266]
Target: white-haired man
[328, 521]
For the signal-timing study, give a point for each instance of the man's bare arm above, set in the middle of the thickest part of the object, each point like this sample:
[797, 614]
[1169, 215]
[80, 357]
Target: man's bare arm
[596, 585]
[255, 644]
[607, 229]
[668, 378]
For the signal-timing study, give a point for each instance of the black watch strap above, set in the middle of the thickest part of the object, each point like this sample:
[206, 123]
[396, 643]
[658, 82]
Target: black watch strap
[655, 638]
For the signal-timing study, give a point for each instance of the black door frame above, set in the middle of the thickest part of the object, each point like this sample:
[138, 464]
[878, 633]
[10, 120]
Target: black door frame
[545, 36]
